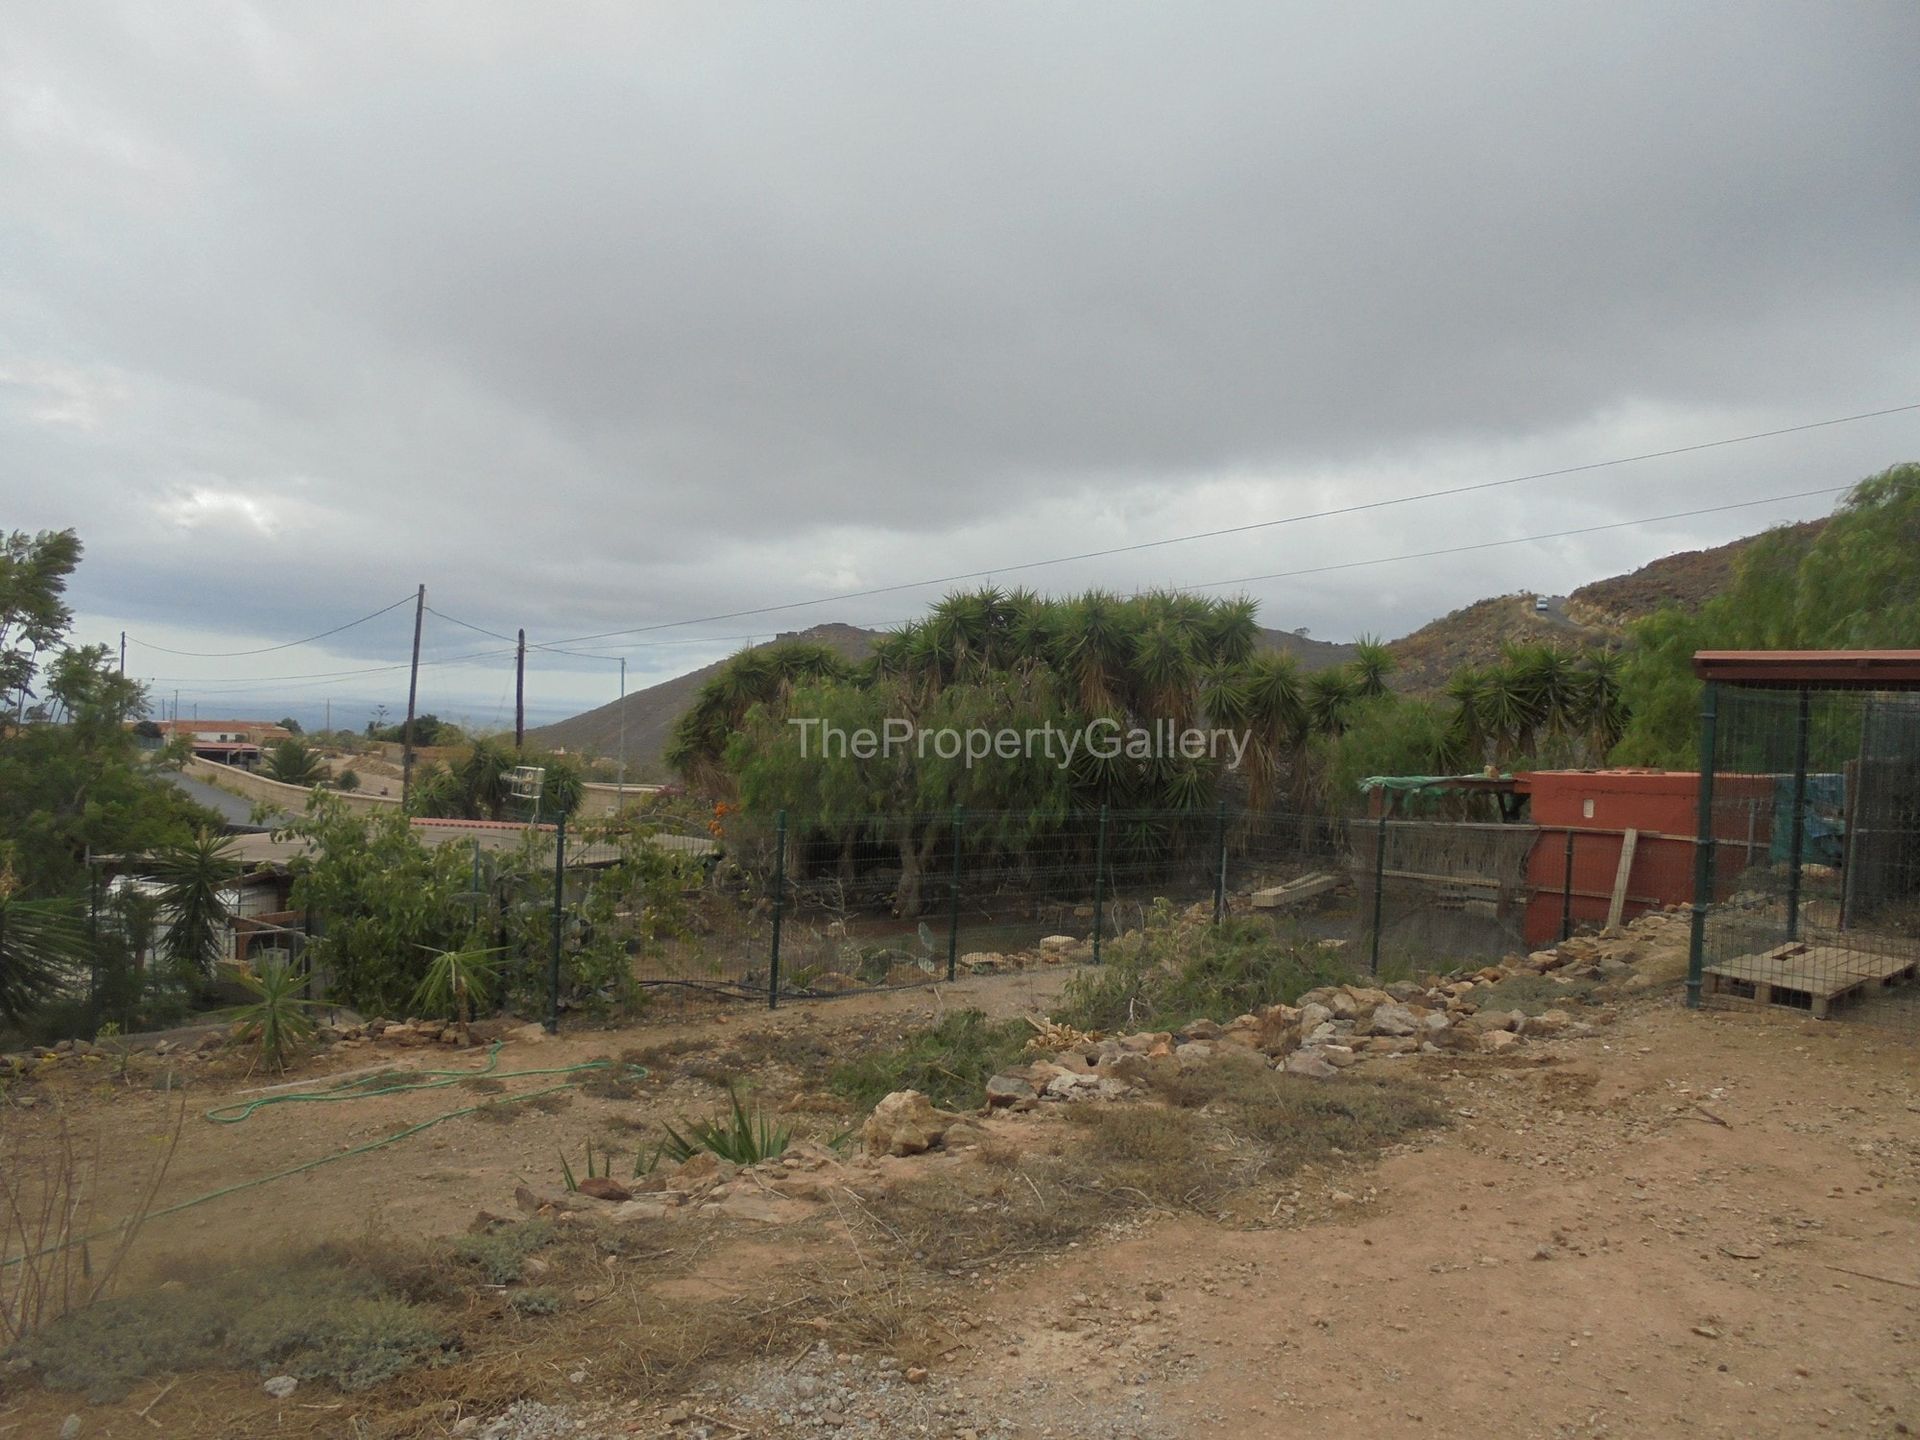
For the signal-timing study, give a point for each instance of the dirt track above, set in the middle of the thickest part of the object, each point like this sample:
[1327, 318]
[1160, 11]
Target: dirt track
[1586, 1254]
[1684, 1224]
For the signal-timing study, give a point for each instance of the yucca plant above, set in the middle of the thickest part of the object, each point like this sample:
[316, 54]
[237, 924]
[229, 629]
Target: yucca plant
[278, 1018]
[194, 876]
[743, 1136]
[455, 983]
[604, 1166]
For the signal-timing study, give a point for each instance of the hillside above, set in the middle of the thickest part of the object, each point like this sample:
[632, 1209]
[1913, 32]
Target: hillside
[1474, 635]
[1594, 614]
[1688, 579]
[651, 712]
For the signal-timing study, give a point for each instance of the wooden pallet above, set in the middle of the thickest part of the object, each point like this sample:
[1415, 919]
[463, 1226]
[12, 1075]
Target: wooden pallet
[1813, 976]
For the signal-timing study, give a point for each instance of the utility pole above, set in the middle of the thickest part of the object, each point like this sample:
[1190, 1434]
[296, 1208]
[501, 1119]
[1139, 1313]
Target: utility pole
[123, 652]
[329, 725]
[413, 692]
[620, 801]
[176, 707]
[520, 693]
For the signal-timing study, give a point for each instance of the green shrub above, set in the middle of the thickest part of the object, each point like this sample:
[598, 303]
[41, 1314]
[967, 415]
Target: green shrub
[538, 1301]
[950, 1063]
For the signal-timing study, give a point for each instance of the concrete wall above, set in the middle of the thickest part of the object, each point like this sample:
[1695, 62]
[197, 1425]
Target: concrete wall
[597, 802]
[602, 800]
[290, 798]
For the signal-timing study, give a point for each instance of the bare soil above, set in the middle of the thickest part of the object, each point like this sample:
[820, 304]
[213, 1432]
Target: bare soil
[1687, 1223]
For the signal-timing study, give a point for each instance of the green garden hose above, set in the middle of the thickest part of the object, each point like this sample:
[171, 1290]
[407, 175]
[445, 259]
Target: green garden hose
[368, 1086]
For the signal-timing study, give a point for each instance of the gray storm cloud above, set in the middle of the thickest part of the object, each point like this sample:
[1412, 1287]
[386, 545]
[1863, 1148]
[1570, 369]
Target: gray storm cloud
[610, 315]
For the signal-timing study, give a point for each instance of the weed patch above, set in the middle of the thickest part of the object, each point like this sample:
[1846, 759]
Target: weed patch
[314, 1321]
[1531, 994]
[1176, 969]
[501, 1253]
[1297, 1121]
[950, 1063]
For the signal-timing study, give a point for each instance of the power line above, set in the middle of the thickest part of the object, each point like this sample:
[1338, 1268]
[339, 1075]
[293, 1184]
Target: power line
[1516, 540]
[243, 686]
[469, 625]
[318, 674]
[269, 649]
[1355, 509]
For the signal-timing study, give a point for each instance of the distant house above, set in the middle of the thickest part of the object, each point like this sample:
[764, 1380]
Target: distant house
[228, 742]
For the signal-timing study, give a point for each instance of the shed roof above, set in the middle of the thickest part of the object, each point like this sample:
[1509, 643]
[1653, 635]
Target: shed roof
[1828, 669]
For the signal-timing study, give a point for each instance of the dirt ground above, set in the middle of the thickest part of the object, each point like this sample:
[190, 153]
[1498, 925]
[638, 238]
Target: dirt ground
[1700, 1224]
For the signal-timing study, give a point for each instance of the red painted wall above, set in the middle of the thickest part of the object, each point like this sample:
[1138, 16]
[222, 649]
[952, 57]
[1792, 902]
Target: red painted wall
[1600, 806]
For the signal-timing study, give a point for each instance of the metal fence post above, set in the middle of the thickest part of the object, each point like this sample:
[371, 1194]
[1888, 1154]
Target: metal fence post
[1379, 888]
[559, 908]
[1099, 882]
[779, 905]
[1703, 846]
[1797, 827]
[953, 899]
[1566, 893]
[1220, 864]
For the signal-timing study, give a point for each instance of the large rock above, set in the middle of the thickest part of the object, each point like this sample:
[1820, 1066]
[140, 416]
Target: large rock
[1009, 1090]
[1309, 1063]
[905, 1123]
[605, 1187]
[1391, 1018]
[1484, 1021]
[1084, 1087]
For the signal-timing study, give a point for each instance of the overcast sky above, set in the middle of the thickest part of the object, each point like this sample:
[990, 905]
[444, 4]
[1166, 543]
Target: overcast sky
[595, 317]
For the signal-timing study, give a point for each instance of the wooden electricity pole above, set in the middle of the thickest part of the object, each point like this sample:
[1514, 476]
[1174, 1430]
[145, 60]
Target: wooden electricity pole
[413, 693]
[520, 693]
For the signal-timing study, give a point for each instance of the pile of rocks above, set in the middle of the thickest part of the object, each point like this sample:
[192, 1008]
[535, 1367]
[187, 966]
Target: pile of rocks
[1052, 950]
[181, 1046]
[773, 1191]
[1338, 1026]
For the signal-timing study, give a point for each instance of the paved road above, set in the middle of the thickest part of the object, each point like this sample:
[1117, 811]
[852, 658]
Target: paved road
[237, 812]
[1556, 614]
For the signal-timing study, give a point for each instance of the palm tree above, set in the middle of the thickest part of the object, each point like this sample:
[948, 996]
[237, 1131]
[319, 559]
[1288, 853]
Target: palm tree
[1372, 663]
[1163, 673]
[1330, 694]
[41, 946]
[1091, 649]
[1276, 714]
[293, 763]
[457, 982]
[194, 877]
[1602, 704]
[1468, 728]
[763, 675]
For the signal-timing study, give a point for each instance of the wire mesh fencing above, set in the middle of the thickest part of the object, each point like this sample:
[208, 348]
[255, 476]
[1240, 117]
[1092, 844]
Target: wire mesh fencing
[1810, 861]
[804, 907]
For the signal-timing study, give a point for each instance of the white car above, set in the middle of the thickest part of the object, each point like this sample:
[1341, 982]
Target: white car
[1540, 604]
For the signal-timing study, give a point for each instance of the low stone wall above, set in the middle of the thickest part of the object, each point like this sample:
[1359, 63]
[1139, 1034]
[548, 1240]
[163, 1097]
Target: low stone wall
[289, 798]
